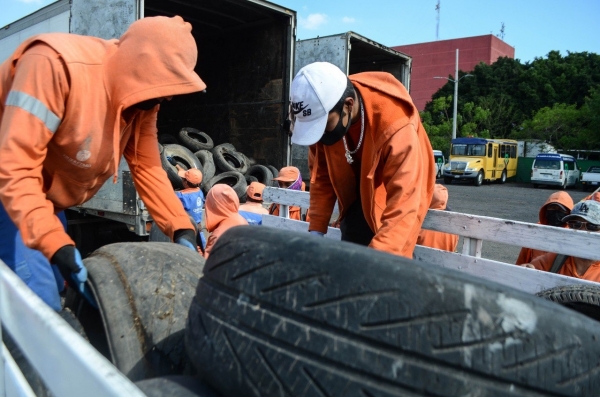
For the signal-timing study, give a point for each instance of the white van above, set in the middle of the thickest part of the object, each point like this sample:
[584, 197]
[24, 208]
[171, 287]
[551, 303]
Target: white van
[440, 160]
[554, 170]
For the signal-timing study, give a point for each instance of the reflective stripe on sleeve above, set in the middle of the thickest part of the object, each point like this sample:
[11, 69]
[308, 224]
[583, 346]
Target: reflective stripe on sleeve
[35, 107]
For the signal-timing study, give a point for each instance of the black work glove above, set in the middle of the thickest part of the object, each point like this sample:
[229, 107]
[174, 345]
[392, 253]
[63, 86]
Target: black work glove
[69, 263]
[185, 237]
[171, 161]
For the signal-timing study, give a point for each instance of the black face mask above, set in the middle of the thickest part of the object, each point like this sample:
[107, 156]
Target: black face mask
[554, 217]
[333, 136]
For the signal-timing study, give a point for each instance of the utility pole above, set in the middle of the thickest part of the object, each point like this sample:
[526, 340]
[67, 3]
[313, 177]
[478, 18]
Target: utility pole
[455, 98]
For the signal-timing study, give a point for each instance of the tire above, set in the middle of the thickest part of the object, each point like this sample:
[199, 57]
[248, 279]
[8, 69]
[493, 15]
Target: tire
[234, 179]
[208, 165]
[184, 158]
[228, 160]
[503, 178]
[584, 299]
[166, 139]
[275, 173]
[479, 179]
[447, 181]
[195, 140]
[282, 313]
[261, 173]
[143, 291]
[176, 386]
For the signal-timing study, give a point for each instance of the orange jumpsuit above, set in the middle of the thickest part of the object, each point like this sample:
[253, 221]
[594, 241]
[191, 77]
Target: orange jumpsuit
[221, 213]
[394, 170]
[528, 254]
[67, 118]
[431, 238]
[545, 262]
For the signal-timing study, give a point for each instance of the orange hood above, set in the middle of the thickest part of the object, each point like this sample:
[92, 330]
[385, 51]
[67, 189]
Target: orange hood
[562, 198]
[440, 197]
[221, 203]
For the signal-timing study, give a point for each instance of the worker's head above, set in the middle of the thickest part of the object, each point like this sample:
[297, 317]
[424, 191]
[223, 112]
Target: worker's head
[154, 59]
[322, 99]
[254, 192]
[191, 178]
[585, 215]
[557, 206]
[289, 178]
[221, 203]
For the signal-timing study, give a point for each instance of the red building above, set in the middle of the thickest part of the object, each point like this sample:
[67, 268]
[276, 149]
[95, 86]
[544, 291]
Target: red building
[438, 58]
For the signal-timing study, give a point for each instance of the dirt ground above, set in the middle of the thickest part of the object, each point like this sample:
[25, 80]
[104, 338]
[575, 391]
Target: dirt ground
[514, 201]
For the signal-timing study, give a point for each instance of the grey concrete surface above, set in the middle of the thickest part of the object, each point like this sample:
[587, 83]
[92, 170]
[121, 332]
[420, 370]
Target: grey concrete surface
[514, 201]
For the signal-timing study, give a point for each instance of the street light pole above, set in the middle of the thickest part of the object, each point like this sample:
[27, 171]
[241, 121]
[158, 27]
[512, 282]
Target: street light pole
[455, 98]
[455, 81]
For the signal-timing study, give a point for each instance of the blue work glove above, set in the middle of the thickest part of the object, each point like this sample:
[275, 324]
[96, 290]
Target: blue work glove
[172, 161]
[186, 237]
[71, 267]
[316, 233]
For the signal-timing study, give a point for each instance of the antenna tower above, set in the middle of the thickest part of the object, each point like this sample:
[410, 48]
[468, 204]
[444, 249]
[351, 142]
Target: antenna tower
[437, 18]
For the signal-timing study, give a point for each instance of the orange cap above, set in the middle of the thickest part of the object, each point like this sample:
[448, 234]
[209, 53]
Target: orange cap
[288, 174]
[193, 175]
[255, 190]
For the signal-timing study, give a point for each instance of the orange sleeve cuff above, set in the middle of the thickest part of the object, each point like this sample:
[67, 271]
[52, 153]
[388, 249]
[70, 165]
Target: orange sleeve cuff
[52, 242]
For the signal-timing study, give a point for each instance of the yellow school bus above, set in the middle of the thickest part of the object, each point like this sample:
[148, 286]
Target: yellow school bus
[480, 159]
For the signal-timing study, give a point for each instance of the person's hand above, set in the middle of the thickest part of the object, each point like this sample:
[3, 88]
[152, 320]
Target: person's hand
[527, 265]
[71, 267]
[186, 237]
[316, 233]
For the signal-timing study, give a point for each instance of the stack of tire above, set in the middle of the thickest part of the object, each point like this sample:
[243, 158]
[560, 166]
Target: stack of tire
[222, 163]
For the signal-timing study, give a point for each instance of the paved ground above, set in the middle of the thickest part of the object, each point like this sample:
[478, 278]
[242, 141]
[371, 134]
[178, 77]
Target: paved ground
[513, 201]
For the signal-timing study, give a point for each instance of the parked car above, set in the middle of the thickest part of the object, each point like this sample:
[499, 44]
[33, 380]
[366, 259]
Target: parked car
[591, 178]
[554, 170]
[440, 160]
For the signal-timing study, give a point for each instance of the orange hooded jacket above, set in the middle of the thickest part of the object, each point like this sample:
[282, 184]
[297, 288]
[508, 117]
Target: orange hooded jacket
[221, 213]
[433, 239]
[64, 126]
[528, 254]
[545, 261]
[397, 169]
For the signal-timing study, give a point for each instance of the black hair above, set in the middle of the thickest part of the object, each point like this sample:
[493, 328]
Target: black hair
[348, 92]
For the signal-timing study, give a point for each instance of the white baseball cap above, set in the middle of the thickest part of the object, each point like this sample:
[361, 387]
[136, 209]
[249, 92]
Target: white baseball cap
[315, 91]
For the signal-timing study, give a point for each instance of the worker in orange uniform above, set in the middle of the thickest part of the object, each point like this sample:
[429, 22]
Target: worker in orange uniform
[252, 210]
[585, 215]
[368, 150]
[221, 212]
[192, 198]
[289, 178]
[552, 213]
[433, 239]
[70, 107]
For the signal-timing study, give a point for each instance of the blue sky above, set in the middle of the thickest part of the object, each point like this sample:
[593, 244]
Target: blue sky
[533, 27]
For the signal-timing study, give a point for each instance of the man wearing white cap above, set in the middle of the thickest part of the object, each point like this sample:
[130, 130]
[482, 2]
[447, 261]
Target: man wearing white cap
[368, 150]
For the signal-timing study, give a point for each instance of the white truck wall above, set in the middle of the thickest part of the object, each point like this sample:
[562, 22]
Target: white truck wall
[57, 23]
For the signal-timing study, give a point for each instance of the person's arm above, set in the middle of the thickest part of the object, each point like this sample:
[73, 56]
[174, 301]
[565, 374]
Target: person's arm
[524, 256]
[322, 195]
[31, 114]
[404, 174]
[544, 262]
[151, 180]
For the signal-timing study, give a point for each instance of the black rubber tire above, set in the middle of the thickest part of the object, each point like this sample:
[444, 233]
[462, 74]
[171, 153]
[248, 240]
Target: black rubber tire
[478, 181]
[195, 140]
[447, 181]
[250, 179]
[234, 179]
[584, 299]
[261, 173]
[282, 313]
[208, 165]
[176, 386]
[166, 139]
[275, 173]
[229, 160]
[184, 158]
[502, 179]
[143, 291]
